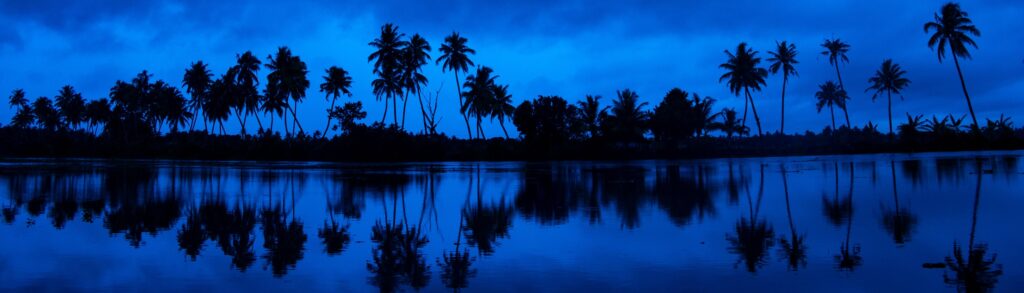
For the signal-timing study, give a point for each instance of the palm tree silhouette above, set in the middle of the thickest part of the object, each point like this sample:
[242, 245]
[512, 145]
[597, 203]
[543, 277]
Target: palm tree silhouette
[974, 273]
[98, 112]
[889, 79]
[627, 120]
[414, 56]
[455, 57]
[387, 64]
[197, 82]
[336, 82]
[784, 58]
[730, 123]
[71, 106]
[24, 116]
[287, 79]
[479, 96]
[247, 97]
[829, 95]
[743, 74]
[17, 98]
[836, 50]
[501, 106]
[592, 113]
[46, 115]
[218, 108]
[954, 28]
[793, 248]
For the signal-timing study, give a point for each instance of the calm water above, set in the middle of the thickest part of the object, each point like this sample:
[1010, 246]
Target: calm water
[844, 223]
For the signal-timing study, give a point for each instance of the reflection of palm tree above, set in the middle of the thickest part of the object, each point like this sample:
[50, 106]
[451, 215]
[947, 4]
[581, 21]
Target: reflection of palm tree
[975, 273]
[849, 257]
[899, 222]
[283, 238]
[793, 248]
[753, 236]
[486, 224]
[191, 236]
[837, 211]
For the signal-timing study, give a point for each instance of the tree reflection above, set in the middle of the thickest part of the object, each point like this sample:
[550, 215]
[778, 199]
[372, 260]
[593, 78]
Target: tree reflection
[754, 237]
[397, 256]
[283, 235]
[900, 221]
[486, 223]
[793, 248]
[849, 257]
[976, 272]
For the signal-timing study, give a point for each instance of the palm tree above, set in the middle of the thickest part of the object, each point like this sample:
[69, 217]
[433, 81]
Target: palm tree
[830, 95]
[387, 66]
[501, 107]
[197, 81]
[479, 96]
[287, 79]
[248, 97]
[46, 115]
[336, 83]
[627, 121]
[592, 113]
[743, 74]
[730, 123]
[889, 79]
[218, 108]
[274, 106]
[953, 27]
[455, 57]
[414, 56]
[836, 50]
[17, 98]
[23, 117]
[783, 59]
[71, 106]
[98, 111]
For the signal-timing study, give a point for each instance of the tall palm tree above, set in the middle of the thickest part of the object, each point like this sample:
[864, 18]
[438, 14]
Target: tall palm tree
[889, 79]
[743, 74]
[830, 95]
[784, 58]
[501, 107]
[455, 57]
[414, 56]
[287, 79]
[479, 96]
[336, 82]
[248, 96]
[197, 82]
[954, 28]
[592, 113]
[836, 50]
[387, 66]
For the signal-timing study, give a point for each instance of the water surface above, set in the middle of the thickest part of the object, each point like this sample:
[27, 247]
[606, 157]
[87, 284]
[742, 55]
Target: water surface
[925, 222]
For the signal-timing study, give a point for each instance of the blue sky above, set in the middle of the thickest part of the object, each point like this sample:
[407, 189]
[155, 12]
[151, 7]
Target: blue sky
[565, 48]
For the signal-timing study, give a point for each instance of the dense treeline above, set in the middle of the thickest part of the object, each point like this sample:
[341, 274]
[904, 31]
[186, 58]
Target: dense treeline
[146, 118]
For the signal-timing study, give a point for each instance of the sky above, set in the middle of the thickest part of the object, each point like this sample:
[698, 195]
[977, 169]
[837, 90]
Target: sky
[565, 48]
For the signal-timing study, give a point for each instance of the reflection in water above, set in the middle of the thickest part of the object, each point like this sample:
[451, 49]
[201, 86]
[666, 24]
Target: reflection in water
[494, 222]
[975, 273]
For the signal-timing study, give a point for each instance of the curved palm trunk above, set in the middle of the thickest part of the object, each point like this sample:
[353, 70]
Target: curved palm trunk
[328, 127]
[895, 193]
[385, 118]
[840, 77]
[479, 128]
[832, 112]
[782, 127]
[753, 108]
[394, 110]
[295, 116]
[423, 111]
[745, 102]
[501, 121]
[469, 131]
[238, 115]
[258, 122]
[974, 214]
[963, 86]
[405, 104]
[789, 212]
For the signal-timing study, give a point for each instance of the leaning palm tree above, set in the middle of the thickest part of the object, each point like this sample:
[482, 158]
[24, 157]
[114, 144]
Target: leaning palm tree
[501, 107]
[414, 56]
[455, 57]
[784, 58]
[387, 65]
[830, 95]
[836, 50]
[743, 74]
[953, 27]
[336, 83]
[197, 81]
[889, 79]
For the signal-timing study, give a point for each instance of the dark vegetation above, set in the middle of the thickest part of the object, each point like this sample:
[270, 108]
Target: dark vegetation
[142, 118]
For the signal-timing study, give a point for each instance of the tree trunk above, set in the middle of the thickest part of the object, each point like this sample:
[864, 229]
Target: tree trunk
[785, 79]
[753, 109]
[295, 116]
[458, 89]
[385, 118]
[423, 111]
[890, 113]
[394, 110]
[832, 111]
[964, 87]
[329, 116]
[501, 122]
[405, 105]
